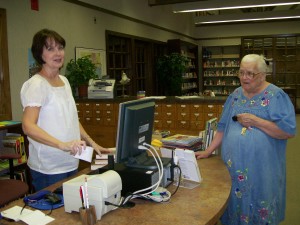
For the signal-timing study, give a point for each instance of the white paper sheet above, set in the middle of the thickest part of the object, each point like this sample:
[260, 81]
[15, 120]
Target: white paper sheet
[86, 154]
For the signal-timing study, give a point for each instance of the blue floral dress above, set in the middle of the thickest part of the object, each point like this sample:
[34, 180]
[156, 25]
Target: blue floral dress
[256, 161]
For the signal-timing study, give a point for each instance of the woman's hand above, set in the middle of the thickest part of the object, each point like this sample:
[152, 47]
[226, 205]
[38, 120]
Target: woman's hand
[246, 119]
[99, 149]
[73, 146]
[202, 154]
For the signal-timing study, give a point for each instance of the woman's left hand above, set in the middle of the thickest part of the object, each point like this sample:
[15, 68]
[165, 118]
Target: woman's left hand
[246, 119]
[100, 150]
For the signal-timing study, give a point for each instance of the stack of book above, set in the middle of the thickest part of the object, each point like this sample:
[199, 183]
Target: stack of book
[188, 142]
[99, 162]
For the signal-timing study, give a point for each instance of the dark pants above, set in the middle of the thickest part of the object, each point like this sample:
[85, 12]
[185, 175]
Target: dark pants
[41, 180]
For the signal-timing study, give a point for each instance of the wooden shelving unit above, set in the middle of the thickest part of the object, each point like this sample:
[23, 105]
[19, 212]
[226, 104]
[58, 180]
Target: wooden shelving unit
[136, 57]
[284, 53]
[15, 127]
[220, 66]
[190, 84]
[119, 57]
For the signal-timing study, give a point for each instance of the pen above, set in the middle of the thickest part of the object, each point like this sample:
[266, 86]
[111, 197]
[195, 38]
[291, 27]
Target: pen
[81, 196]
[86, 194]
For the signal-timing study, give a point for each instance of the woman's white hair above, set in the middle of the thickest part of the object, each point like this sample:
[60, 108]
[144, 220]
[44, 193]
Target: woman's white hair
[259, 60]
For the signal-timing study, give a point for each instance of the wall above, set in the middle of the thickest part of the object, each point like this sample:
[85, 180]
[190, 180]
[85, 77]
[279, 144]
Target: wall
[218, 32]
[76, 24]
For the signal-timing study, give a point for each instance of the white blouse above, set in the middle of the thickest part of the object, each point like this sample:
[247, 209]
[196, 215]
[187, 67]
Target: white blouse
[58, 116]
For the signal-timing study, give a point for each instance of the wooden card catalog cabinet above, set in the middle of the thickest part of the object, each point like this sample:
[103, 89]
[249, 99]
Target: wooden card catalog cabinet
[100, 118]
[210, 111]
[183, 116]
[157, 117]
[87, 113]
[108, 114]
[168, 115]
[197, 117]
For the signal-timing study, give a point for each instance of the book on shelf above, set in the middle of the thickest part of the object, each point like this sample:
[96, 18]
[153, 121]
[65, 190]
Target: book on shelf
[14, 143]
[20, 175]
[8, 123]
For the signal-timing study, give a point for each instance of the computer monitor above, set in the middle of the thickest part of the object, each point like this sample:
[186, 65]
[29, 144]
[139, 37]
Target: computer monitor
[135, 127]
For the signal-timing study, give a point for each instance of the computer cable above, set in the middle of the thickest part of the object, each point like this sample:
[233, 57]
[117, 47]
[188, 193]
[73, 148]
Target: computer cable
[161, 168]
[179, 179]
[153, 187]
[158, 196]
[160, 172]
[152, 194]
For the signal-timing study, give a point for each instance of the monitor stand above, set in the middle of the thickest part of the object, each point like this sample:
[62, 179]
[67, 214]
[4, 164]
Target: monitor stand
[144, 161]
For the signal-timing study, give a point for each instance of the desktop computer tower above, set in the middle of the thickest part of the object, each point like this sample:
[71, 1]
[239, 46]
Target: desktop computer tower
[134, 179]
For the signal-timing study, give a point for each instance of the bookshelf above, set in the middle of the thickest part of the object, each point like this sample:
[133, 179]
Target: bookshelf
[21, 169]
[190, 84]
[220, 65]
[284, 53]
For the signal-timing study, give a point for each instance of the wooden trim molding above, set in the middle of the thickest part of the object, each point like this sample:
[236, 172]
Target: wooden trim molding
[5, 100]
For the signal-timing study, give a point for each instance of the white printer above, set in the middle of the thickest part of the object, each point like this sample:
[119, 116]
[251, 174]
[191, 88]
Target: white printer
[101, 88]
[101, 188]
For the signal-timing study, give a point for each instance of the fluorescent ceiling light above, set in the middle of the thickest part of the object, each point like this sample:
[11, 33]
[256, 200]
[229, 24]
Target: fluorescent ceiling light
[234, 4]
[242, 17]
[245, 20]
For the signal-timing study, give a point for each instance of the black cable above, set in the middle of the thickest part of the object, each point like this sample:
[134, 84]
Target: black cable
[179, 179]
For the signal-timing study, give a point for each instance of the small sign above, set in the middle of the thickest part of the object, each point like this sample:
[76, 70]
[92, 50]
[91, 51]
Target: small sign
[35, 5]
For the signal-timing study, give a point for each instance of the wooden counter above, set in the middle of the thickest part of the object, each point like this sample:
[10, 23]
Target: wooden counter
[201, 205]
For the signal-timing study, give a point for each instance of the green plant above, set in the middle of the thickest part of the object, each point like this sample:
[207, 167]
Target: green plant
[79, 72]
[170, 69]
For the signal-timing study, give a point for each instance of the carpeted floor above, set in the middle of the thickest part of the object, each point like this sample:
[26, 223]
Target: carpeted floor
[293, 179]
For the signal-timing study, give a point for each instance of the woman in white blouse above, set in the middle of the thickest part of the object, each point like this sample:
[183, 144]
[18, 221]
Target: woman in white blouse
[50, 118]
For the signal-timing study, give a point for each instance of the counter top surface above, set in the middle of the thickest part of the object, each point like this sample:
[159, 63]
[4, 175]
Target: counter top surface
[201, 205]
[194, 99]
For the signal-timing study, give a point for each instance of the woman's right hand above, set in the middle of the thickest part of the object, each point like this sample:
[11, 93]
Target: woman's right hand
[202, 154]
[73, 146]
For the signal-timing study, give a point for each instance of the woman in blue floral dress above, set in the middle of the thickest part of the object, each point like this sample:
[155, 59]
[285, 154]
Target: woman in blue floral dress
[256, 122]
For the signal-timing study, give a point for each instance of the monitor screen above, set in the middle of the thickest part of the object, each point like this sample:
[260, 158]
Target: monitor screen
[135, 127]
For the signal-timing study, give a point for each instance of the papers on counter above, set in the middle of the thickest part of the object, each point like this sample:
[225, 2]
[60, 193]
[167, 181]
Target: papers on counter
[30, 217]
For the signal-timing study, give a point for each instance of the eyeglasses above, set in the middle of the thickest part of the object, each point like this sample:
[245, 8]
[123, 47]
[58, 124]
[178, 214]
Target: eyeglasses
[247, 74]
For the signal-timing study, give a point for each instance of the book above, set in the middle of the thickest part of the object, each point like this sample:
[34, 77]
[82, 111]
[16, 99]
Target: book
[8, 122]
[28, 216]
[181, 141]
[210, 131]
[100, 161]
[96, 166]
[16, 142]
[103, 156]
